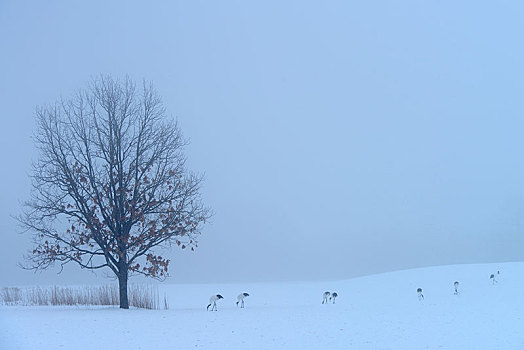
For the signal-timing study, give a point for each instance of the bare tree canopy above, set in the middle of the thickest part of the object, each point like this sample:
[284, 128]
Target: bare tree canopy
[110, 184]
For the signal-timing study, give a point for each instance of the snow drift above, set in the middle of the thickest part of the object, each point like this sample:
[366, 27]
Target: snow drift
[373, 312]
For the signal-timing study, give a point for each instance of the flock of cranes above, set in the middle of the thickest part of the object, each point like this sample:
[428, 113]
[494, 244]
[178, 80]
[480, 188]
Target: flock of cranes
[240, 299]
[492, 277]
[214, 298]
[330, 296]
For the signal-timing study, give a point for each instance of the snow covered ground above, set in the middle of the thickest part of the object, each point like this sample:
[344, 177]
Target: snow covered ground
[374, 312]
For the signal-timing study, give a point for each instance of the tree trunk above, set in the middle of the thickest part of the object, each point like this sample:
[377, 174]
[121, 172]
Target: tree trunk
[122, 284]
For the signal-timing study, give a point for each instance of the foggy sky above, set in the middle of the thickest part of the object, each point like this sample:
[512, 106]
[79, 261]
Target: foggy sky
[337, 138]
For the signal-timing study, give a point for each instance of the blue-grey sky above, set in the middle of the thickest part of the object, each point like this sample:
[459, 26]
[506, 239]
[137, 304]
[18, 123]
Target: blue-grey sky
[338, 138]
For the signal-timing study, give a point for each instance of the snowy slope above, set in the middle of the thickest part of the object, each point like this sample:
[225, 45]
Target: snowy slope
[373, 312]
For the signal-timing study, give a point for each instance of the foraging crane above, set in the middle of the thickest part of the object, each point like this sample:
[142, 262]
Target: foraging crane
[213, 301]
[325, 297]
[419, 293]
[334, 295]
[240, 299]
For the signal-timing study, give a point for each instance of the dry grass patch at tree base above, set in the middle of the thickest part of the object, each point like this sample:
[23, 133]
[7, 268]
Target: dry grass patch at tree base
[140, 296]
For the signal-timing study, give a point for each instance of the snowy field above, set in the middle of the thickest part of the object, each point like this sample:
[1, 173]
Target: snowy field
[374, 312]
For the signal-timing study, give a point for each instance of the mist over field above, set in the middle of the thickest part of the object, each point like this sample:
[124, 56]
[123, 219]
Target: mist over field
[337, 140]
[373, 312]
[368, 149]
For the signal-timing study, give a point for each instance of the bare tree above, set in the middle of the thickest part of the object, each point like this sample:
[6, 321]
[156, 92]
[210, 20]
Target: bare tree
[110, 186]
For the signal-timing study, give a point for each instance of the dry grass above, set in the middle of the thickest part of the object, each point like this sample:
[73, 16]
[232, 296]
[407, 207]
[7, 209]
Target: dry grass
[140, 296]
[10, 296]
[144, 297]
[166, 305]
